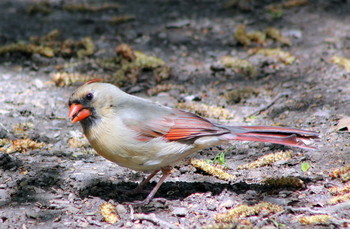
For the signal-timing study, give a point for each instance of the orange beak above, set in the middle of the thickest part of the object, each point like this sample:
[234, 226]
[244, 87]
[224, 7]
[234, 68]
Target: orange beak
[77, 112]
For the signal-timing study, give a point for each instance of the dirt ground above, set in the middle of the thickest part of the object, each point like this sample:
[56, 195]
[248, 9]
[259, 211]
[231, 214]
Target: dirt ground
[63, 184]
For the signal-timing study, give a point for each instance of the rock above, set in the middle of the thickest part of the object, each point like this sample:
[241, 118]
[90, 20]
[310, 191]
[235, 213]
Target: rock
[129, 224]
[227, 204]
[211, 207]
[121, 209]
[38, 83]
[179, 211]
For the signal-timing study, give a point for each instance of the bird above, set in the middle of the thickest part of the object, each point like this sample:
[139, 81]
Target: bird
[142, 135]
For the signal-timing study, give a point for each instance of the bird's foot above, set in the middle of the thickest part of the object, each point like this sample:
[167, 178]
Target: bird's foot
[138, 203]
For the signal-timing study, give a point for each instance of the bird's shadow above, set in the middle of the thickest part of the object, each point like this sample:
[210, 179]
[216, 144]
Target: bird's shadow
[179, 190]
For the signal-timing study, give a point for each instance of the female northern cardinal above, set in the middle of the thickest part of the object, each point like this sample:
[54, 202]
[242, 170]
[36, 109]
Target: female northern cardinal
[142, 135]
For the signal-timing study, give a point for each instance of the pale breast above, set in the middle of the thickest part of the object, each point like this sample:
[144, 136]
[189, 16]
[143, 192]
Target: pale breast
[117, 143]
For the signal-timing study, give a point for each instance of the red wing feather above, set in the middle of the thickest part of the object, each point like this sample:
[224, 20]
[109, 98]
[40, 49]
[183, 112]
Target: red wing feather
[278, 129]
[279, 135]
[182, 126]
[188, 126]
[178, 126]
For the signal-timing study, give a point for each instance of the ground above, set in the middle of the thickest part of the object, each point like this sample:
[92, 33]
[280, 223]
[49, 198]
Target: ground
[63, 184]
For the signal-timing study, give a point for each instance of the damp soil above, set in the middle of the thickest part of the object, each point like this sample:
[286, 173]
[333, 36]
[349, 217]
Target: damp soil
[61, 186]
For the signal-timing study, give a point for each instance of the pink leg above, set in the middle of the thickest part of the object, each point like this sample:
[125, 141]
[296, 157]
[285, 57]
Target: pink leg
[166, 172]
[140, 187]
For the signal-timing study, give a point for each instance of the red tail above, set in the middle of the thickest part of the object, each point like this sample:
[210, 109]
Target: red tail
[279, 135]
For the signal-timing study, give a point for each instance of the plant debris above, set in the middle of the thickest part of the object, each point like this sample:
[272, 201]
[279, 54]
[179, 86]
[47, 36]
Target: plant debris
[286, 5]
[342, 194]
[87, 47]
[77, 142]
[21, 128]
[43, 7]
[65, 48]
[343, 173]
[20, 145]
[245, 210]
[222, 225]
[275, 34]
[89, 7]
[130, 72]
[339, 190]
[239, 65]
[315, 219]
[27, 48]
[284, 182]
[165, 87]
[236, 96]
[121, 19]
[206, 110]
[129, 64]
[62, 79]
[246, 5]
[340, 198]
[245, 38]
[305, 166]
[241, 35]
[342, 62]
[50, 46]
[109, 213]
[126, 52]
[278, 54]
[212, 170]
[268, 160]
[259, 37]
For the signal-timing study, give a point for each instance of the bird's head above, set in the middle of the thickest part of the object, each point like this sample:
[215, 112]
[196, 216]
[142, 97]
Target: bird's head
[92, 100]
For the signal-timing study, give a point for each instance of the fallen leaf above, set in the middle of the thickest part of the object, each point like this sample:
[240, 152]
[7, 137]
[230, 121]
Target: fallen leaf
[305, 166]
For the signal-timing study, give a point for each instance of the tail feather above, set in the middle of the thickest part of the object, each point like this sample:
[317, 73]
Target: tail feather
[279, 135]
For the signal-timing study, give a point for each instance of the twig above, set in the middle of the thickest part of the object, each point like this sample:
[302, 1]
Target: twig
[132, 217]
[326, 210]
[153, 219]
[273, 216]
[2, 125]
[264, 108]
[329, 210]
[306, 209]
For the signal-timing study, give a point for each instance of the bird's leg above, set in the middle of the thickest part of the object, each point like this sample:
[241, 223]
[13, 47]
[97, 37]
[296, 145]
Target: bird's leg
[143, 183]
[166, 172]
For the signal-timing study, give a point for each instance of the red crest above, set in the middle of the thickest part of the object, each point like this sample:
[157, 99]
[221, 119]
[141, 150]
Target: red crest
[94, 81]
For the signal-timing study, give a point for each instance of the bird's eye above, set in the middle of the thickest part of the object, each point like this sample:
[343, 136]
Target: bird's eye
[89, 96]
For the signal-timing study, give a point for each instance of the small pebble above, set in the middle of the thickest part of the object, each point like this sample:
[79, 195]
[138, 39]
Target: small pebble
[179, 211]
[211, 207]
[38, 83]
[227, 204]
[129, 224]
[121, 209]
[184, 169]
